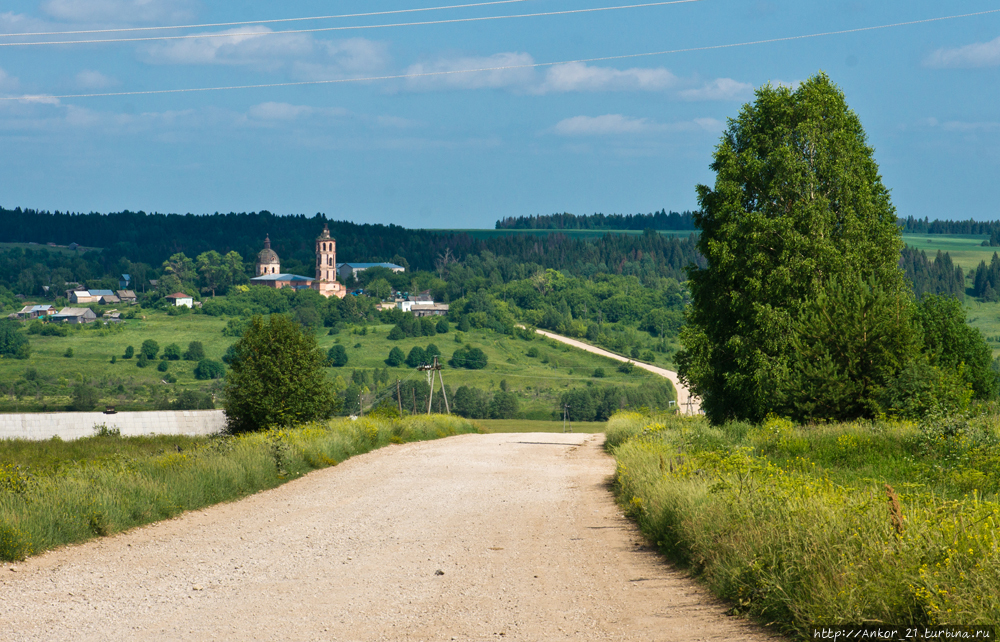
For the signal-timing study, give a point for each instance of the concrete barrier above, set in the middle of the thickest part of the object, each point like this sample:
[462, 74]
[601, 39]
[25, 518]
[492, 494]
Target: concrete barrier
[74, 425]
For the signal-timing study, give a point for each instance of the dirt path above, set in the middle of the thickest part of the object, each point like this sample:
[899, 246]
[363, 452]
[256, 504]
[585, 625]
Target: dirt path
[476, 537]
[688, 403]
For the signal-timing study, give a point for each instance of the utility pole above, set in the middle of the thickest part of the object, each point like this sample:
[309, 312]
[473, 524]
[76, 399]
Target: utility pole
[431, 370]
[566, 425]
[399, 399]
[361, 404]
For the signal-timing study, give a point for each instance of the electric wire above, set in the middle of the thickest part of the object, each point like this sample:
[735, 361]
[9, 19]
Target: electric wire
[48, 97]
[343, 28]
[258, 22]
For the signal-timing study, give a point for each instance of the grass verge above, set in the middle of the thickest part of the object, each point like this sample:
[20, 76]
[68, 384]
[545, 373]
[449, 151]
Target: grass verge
[73, 501]
[854, 523]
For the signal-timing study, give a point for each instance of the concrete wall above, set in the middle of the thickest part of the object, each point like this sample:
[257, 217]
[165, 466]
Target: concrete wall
[73, 425]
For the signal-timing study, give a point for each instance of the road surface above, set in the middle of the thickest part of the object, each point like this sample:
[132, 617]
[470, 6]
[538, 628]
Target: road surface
[475, 537]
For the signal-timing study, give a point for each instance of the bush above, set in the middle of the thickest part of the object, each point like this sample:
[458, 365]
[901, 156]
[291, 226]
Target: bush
[337, 356]
[12, 342]
[417, 357]
[150, 348]
[626, 367]
[395, 358]
[195, 351]
[143, 360]
[69, 353]
[193, 400]
[599, 373]
[129, 352]
[432, 351]
[442, 326]
[172, 352]
[396, 333]
[532, 352]
[470, 358]
[209, 369]
[84, 398]
[504, 405]
[162, 366]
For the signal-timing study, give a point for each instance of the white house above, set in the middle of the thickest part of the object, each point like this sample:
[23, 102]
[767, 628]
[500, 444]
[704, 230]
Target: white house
[179, 299]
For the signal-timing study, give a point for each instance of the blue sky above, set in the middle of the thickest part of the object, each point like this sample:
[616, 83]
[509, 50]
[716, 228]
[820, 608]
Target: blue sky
[462, 150]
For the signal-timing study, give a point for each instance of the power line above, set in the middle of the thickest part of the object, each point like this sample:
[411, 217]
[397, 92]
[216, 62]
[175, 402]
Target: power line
[345, 28]
[42, 97]
[259, 22]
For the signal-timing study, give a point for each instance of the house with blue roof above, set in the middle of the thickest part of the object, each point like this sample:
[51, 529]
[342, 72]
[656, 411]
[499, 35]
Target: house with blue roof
[347, 270]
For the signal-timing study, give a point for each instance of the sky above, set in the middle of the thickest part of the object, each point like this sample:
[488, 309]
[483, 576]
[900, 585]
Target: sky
[426, 149]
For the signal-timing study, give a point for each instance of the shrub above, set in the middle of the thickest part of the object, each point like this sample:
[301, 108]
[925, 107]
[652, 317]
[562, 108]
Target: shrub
[626, 367]
[195, 351]
[114, 358]
[599, 373]
[417, 356]
[442, 326]
[172, 352]
[396, 333]
[149, 348]
[162, 366]
[470, 358]
[84, 398]
[12, 342]
[142, 361]
[532, 352]
[209, 369]
[129, 352]
[193, 400]
[432, 351]
[395, 358]
[337, 356]
[69, 353]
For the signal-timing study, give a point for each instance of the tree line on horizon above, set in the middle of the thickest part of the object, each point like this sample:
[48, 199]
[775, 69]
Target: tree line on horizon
[661, 220]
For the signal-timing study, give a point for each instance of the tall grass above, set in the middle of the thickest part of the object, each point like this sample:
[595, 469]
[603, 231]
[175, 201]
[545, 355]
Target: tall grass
[854, 523]
[78, 501]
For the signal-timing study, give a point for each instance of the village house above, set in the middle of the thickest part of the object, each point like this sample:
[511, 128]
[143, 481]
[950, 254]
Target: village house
[74, 315]
[33, 312]
[126, 296]
[180, 299]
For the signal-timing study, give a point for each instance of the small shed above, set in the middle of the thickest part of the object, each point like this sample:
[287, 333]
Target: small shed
[126, 296]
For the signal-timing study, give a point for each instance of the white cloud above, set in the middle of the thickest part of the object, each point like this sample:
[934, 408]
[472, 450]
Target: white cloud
[496, 77]
[90, 79]
[251, 47]
[580, 77]
[358, 55]
[719, 89]
[978, 54]
[11, 22]
[119, 11]
[617, 124]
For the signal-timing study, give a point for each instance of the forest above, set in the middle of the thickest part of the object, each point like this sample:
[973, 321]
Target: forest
[661, 220]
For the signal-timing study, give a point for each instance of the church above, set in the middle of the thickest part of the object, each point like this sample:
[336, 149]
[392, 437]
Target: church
[268, 269]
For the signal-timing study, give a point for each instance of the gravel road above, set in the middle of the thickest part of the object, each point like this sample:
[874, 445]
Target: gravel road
[475, 537]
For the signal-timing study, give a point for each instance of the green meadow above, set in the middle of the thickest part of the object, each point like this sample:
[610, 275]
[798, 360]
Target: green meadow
[45, 382]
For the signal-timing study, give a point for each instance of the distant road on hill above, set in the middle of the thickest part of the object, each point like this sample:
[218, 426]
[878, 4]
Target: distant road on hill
[689, 404]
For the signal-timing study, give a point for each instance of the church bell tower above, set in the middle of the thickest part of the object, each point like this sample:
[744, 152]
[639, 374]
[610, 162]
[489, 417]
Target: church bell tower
[326, 266]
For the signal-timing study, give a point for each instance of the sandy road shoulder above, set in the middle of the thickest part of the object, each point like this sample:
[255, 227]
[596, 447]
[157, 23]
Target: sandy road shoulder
[476, 537]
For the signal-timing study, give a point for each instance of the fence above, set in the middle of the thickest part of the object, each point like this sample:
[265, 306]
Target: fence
[73, 425]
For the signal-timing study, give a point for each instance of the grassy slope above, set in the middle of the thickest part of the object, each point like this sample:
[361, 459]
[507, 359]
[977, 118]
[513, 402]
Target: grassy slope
[539, 383]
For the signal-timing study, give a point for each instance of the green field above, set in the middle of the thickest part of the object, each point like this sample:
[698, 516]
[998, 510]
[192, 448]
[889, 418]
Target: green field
[61, 249]
[45, 381]
[965, 250]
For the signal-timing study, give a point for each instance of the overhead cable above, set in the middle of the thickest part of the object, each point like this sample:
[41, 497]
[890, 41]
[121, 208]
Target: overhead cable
[43, 97]
[259, 22]
[243, 34]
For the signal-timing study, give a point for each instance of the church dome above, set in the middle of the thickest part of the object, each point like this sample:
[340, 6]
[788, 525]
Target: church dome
[267, 256]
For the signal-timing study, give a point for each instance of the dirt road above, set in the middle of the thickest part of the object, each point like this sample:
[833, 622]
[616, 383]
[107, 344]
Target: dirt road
[687, 402]
[476, 537]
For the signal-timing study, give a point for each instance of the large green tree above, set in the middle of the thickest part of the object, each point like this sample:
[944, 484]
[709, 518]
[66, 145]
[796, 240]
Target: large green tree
[276, 378]
[798, 215]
